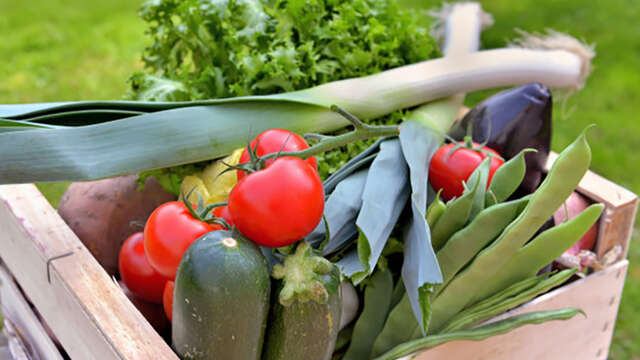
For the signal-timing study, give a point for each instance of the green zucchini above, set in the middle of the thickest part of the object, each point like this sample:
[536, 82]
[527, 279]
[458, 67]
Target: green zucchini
[221, 299]
[305, 329]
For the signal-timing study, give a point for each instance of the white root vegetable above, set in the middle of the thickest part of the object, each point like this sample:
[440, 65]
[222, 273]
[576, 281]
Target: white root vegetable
[350, 304]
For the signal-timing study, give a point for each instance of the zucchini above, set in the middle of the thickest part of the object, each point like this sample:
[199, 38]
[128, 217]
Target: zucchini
[306, 326]
[221, 299]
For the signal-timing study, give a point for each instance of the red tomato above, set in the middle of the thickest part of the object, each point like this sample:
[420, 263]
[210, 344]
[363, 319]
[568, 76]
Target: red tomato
[223, 212]
[167, 299]
[278, 205]
[168, 233]
[136, 272]
[448, 175]
[271, 141]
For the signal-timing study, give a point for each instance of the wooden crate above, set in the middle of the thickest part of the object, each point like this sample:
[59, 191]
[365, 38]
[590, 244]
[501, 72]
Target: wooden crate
[93, 319]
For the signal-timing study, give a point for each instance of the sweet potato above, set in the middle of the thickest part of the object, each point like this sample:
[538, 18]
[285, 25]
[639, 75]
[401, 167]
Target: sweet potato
[104, 213]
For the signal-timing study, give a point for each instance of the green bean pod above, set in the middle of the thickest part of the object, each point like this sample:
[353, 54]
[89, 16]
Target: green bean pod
[544, 248]
[476, 315]
[453, 218]
[467, 242]
[471, 284]
[507, 179]
[503, 295]
[479, 179]
[401, 326]
[377, 298]
[479, 333]
[435, 210]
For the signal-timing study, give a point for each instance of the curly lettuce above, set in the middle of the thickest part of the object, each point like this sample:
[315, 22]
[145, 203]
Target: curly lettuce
[204, 49]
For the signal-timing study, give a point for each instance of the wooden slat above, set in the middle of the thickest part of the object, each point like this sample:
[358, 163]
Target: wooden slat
[579, 338]
[15, 307]
[616, 222]
[89, 314]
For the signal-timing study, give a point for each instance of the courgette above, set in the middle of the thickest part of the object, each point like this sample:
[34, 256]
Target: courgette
[221, 299]
[304, 319]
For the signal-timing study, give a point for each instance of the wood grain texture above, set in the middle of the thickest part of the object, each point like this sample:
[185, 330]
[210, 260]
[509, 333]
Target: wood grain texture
[578, 338]
[15, 307]
[86, 310]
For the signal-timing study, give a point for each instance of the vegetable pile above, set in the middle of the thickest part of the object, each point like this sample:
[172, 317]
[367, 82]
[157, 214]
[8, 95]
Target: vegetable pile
[425, 226]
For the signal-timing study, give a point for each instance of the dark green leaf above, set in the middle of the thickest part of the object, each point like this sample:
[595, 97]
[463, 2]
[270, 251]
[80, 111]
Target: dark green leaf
[377, 298]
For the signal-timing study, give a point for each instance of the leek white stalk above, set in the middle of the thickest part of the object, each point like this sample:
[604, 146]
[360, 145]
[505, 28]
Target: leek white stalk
[458, 26]
[412, 85]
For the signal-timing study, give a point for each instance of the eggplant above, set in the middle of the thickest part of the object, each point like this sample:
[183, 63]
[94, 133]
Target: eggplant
[510, 121]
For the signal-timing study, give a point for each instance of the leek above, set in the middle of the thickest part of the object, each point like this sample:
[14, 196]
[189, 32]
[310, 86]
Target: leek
[169, 134]
[419, 139]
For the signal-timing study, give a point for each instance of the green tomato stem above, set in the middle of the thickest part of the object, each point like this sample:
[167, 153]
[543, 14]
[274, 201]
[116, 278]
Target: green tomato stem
[361, 131]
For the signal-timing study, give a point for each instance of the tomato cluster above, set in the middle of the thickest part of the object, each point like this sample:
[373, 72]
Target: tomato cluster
[274, 206]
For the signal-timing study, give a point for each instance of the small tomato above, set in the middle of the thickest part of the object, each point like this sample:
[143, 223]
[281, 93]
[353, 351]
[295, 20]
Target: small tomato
[136, 272]
[168, 233]
[167, 299]
[273, 141]
[447, 172]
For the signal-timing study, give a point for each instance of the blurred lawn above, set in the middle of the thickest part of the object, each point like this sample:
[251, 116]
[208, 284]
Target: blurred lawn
[73, 50]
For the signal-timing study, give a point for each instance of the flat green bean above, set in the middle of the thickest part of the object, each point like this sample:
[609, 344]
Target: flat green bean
[543, 249]
[435, 210]
[503, 295]
[344, 337]
[507, 179]
[479, 179]
[476, 315]
[400, 326]
[398, 293]
[466, 286]
[468, 241]
[479, 333]
[453, 218]
[377, 298]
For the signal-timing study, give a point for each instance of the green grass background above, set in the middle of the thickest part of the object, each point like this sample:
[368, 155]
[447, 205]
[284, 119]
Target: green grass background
[55, 50]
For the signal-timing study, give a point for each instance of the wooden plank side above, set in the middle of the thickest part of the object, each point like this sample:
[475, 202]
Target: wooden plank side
[579, 338]
[87, 311]
[616, 228]
[15, 307]
[616, 222]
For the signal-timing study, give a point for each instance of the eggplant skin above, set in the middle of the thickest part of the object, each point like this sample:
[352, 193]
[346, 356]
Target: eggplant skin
[513, 120]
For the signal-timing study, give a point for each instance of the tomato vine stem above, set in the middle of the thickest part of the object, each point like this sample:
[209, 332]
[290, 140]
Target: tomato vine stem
[360, 132]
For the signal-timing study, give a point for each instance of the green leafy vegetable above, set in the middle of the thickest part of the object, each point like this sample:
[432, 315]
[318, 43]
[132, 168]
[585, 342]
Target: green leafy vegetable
[215, 49]
[250, 47]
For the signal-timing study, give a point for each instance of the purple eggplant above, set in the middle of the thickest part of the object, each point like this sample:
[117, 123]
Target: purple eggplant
[513, 120]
